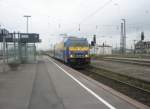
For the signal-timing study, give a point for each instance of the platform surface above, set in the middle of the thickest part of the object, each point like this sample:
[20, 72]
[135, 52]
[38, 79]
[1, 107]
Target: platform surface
[51, 85]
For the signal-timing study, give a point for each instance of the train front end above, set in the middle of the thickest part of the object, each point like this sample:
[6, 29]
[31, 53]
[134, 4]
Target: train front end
[78, 52]
[79, 55]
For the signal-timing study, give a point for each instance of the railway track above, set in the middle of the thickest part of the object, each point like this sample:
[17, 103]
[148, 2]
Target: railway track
[143, 62]
[132, 87]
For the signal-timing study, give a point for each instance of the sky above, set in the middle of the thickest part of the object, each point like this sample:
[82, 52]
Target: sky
[50, 18]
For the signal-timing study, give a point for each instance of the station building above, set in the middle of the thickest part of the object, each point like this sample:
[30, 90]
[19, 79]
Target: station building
[142, 47]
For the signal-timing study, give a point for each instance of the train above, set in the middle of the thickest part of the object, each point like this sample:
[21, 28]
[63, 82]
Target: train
[73, 51]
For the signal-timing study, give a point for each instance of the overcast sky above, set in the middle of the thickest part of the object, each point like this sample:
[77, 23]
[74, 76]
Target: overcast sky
[53, 17]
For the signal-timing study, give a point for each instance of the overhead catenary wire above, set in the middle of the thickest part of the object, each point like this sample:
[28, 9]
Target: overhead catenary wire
[94, 12]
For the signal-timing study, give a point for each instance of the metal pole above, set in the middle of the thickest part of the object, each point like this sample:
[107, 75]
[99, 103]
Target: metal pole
[134, 46]
[34, 52]
[121, 39]
[19, 48]
[14, 39]
[27, 16]
[27, 25]
[7, 52]
[3, 53]
[79, 27]
[124, 35]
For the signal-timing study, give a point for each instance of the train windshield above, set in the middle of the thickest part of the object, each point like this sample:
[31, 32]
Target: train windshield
[81, 43]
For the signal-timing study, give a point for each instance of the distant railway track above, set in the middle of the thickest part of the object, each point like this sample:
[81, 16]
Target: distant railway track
[132, 87]
[142, 62]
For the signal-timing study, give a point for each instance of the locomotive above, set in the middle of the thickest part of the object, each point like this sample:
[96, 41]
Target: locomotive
[73, 51]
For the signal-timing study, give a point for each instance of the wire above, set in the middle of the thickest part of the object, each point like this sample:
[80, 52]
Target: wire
[93, 13]
[96, 11]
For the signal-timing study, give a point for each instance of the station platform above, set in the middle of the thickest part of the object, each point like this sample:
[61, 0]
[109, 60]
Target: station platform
[49, 84]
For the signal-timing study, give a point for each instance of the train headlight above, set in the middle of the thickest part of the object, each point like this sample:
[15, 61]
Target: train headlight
[86, 55]
[71, 56]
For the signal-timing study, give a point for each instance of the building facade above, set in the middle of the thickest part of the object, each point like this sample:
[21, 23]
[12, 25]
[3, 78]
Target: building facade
[142, 47]
[101, 50]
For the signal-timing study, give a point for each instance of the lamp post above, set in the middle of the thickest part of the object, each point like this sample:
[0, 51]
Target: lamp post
[134, 46]
[27, 17]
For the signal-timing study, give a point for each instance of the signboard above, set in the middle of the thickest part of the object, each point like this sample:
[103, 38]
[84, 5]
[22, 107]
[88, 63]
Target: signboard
[23, 37]
[29, 37]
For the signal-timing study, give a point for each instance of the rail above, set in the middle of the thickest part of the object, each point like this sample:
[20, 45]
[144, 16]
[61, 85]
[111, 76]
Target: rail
[132, 87]
[143, 62]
